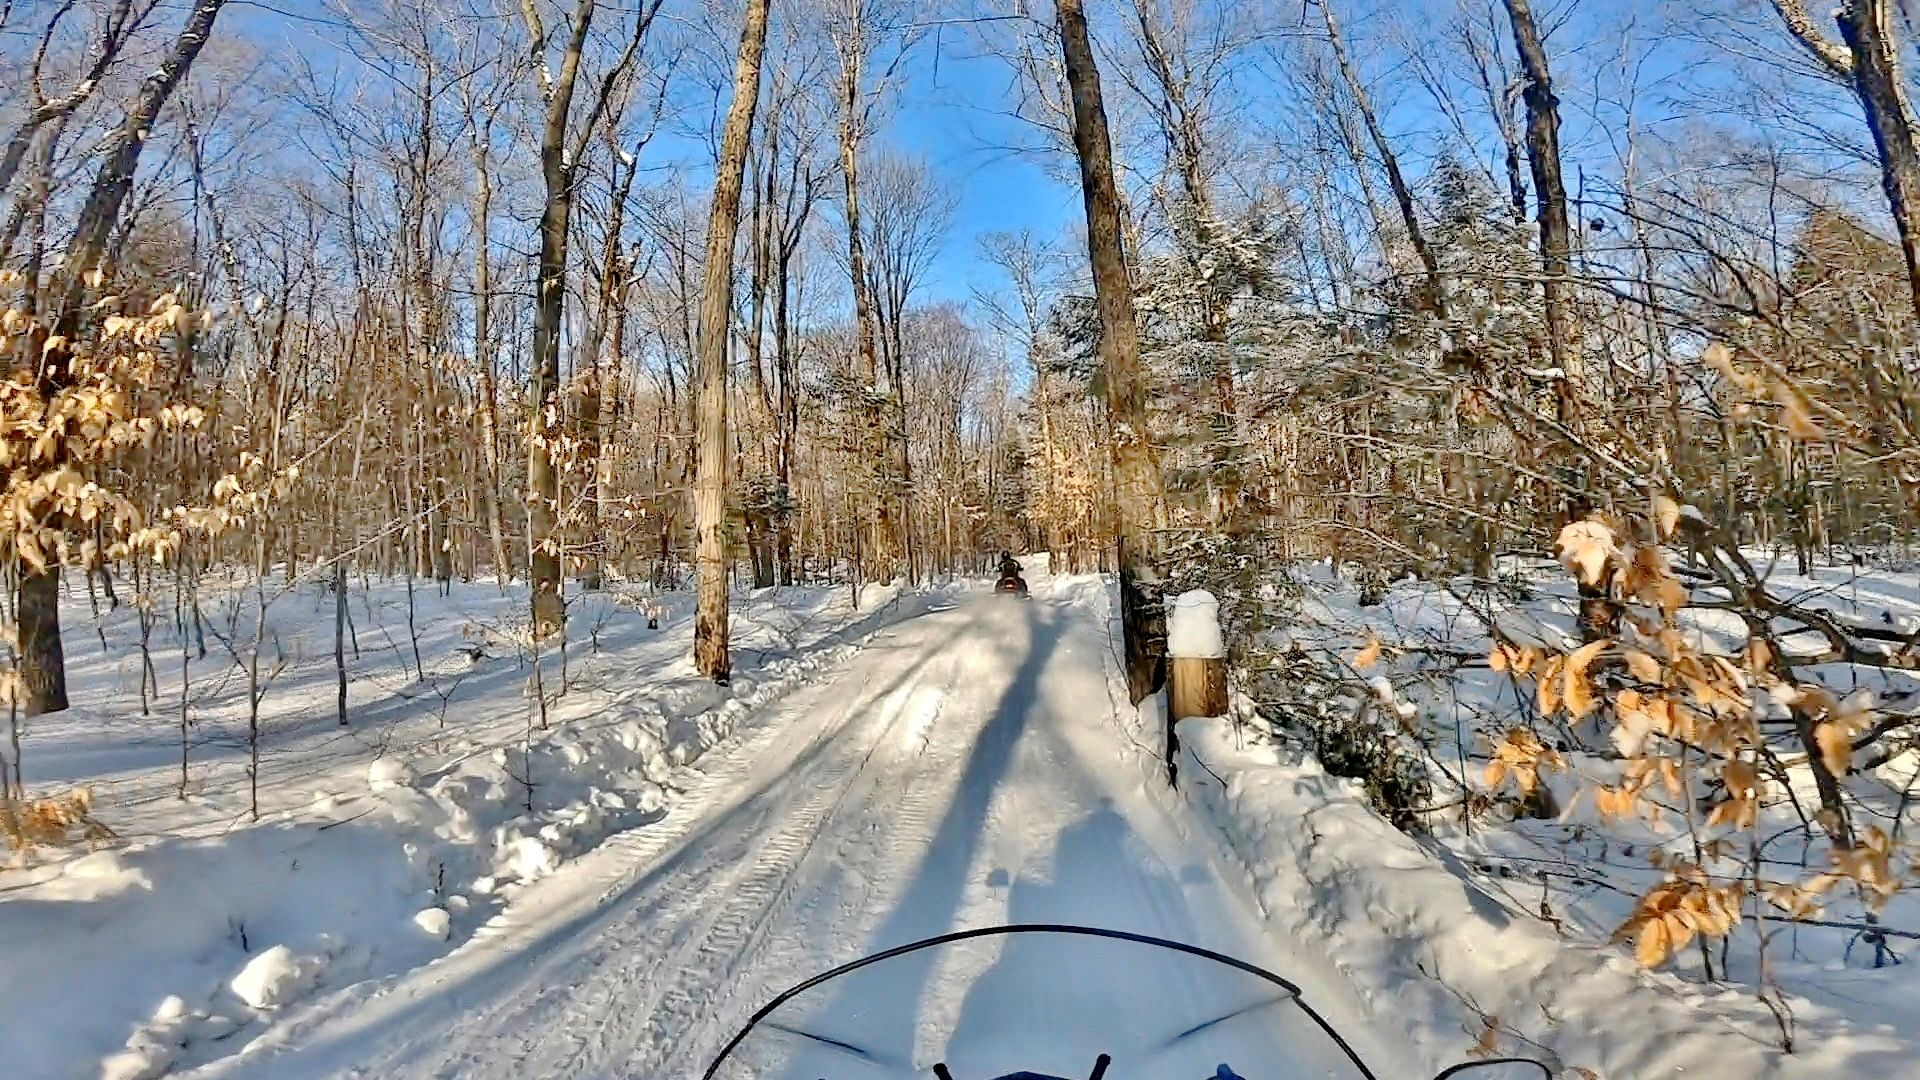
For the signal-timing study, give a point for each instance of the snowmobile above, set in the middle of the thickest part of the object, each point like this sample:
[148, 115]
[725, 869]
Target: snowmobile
[1012, 585]
[1053, 1002]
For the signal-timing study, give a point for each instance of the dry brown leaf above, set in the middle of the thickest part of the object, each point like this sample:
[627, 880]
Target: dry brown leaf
[1588, 550]
[1800, 425]
[1666, 516]
[1671, 595]
[1368, 656]
[1653, 945]
[1489, 1042]
[1496, 771]
[1578, 692]
[1836, 746]
[1547, 691]
[1642, 667]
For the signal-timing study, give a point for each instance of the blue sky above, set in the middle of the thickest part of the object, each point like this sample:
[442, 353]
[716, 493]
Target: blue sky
[952, 113]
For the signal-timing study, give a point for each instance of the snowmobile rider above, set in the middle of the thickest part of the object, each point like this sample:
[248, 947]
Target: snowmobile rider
[1010, 579]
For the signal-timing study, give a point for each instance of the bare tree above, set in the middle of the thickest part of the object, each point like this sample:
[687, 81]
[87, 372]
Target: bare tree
[563, 149]
[481, 116]
[116, 26]
[1550, 204]
[860, 30]
[909, 221]
[716, 324]
[43, 661]
[1430, 293]
[1869, 63]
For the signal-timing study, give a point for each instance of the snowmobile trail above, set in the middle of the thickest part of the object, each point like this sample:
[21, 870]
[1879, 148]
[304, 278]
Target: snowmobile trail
[965, 769]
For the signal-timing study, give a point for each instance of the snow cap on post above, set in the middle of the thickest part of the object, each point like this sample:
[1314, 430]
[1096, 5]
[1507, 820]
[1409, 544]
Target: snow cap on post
[1193, 627]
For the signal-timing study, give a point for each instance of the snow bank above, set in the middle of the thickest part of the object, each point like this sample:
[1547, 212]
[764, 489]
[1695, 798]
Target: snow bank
[365, 864]
[1193, 626]
[1433, 953]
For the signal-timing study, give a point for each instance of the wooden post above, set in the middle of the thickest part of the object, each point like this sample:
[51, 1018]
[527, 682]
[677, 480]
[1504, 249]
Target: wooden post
[1197, 672]
[1197, 686]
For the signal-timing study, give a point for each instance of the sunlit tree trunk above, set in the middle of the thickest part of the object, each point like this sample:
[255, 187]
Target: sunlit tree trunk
[710, 653]
[1139, 496]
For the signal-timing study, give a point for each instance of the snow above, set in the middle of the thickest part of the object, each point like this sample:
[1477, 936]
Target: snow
[419, 804]
[966, 768]
[276, 977]
[1427, 945]
[928, 762]
[386, 774]
[1193, 626]
[1513, 918]
[434, 922]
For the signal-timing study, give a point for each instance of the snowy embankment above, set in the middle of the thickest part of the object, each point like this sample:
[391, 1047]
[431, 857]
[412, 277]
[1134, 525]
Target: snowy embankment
[1491, 933]
[380, 844]
[1455, 965]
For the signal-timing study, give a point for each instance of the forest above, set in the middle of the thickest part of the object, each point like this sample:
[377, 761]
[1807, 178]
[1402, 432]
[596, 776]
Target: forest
[1534, 383]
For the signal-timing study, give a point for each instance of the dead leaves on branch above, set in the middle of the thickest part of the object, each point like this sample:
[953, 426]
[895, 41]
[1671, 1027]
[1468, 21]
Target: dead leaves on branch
[1669, 918]
[1836, 722]
[1588, 551]
[26, 824]
[96, 399]
[1521, 757]
[1369, 654]
[1592, 550]
[1761, 381]
[1686, 728]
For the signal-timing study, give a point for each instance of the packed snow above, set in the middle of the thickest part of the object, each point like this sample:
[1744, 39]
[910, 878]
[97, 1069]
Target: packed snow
[379, 843]
[926, 762]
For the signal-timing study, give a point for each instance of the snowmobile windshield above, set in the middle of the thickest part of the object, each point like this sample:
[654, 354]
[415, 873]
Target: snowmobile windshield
[1039, 1003]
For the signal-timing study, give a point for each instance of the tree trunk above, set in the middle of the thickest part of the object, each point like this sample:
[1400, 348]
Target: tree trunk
[853, 63]
[716, 317]
[42, 661]
[1430, 293]
[1140, 499]
[1865, 25]
[788, 421]
[483, 356]
[1550, 202]
[43, 665]
[550, 297]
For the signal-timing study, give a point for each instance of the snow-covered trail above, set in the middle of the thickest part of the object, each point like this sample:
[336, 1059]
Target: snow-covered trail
[964, 769]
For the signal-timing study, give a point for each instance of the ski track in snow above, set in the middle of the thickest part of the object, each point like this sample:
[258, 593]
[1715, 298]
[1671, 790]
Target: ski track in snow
[964, 769]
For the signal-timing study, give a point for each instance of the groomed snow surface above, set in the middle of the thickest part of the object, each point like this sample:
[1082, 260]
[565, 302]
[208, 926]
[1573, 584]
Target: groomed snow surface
[932, 761]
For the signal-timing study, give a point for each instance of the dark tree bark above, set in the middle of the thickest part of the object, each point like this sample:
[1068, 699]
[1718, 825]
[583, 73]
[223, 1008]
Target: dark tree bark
[1430, 294]
[550, 297]
[1868, 61]
[853, 44]
[1550, 207]
[1598, 615]
[119, 24]
[42, 662]
[559, 165]
[1140, 498]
